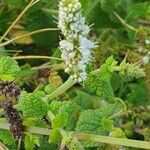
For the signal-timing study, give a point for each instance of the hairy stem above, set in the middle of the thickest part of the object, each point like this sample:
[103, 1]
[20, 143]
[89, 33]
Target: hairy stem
[89, 137]
[28, 34]
[124, 23]
[63, 88]
[32, 2]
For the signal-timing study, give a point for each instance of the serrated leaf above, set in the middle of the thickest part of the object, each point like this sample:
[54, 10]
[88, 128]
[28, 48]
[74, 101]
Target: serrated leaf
[69, 107]
[8, 68]
[31, 141]
[32, 104]
[105, 90]
[107, 124]
[96, 85]
[91, 121]
[34, 122]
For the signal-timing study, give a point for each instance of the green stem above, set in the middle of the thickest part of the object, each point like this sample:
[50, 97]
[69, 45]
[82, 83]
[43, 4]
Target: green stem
[51, 115]
[53, 67]
[89, 137]
[28, 34]
[60, 90]
[35, 57]
[112, 140]
[124, 23]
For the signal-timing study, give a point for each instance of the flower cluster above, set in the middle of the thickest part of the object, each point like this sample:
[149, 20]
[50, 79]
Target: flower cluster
[9, 90]
[76, 47]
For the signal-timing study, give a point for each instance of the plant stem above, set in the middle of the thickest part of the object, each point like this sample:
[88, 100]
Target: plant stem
[19, 144]
[28, 34]
[112, 140]
[3, 147]
[32, 2]
[124, 23]
[53, 67]
[51, 115]
[89, 137]
[35, 57]
[63, 88]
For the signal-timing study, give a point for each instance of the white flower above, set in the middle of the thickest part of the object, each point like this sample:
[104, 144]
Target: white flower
[71, 55]
[66, 45]
[76, 47]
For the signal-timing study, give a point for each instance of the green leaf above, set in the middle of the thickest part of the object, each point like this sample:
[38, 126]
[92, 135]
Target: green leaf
[71, 142]
[107, 124]
[34, 122]
[55, 136]
[31, 141]
[32, 104]
[6, 137]
[84, 100]
[118, 133]
[106, 70]
[131, 70]
[8, 68]
[69, 107]
[60, 120]
[96, 121]
[49, 89]
[105, 90]
[99, 82]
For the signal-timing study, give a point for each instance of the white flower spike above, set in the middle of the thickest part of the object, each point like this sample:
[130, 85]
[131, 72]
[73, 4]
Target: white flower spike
[76, 47]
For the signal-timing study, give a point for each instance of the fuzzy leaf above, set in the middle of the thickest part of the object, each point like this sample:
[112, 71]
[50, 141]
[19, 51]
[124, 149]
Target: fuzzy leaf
[34, 122]
[68, 107]
[92, 121]
[32, 104]
[8, 68]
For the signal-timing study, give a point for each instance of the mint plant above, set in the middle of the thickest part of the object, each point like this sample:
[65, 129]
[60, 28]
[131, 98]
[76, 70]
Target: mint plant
[70, 101]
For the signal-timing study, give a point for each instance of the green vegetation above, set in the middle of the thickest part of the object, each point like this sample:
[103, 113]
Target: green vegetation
[74, 74]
